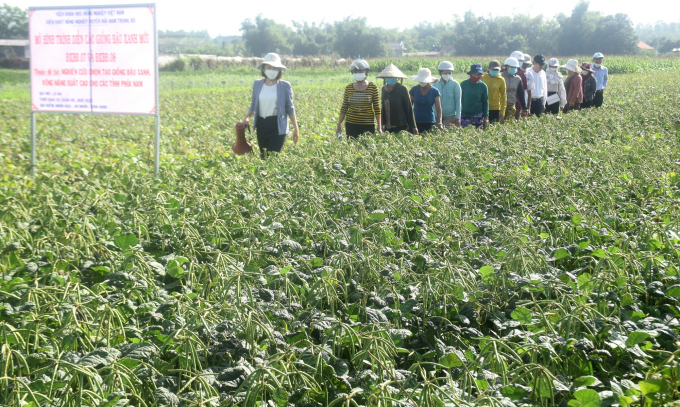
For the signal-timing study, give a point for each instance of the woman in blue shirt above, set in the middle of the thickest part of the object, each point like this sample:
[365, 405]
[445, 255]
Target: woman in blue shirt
[424, 97]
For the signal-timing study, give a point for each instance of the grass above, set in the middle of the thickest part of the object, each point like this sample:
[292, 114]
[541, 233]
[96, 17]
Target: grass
[535, 263]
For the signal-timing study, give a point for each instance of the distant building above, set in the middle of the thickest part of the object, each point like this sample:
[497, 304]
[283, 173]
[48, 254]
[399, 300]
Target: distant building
[14, 48]
[397, 48]
[448, 50]
[642, 45]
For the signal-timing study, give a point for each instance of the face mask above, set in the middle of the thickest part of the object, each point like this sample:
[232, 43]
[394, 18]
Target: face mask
[271, 74]
[597, 65]
[359, 76]
[494, 73]
[585, 73]
[423, 84]
[512, 71]
[552, 70]
[475, 80]
[446, 77]
[391, 81]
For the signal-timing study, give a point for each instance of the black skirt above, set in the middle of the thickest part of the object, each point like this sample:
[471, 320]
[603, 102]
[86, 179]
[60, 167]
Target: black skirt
[355, 130]
[268, 137]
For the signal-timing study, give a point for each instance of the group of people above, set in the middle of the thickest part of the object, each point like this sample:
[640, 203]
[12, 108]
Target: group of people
[522, 86]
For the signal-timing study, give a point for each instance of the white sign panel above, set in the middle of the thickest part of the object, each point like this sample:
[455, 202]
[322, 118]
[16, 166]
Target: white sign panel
[99, 59]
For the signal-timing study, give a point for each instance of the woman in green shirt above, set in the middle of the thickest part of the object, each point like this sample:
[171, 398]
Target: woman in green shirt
[474, 99]
[397, 112]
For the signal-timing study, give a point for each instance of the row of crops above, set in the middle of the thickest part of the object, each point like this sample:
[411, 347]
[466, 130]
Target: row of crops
[532, 264]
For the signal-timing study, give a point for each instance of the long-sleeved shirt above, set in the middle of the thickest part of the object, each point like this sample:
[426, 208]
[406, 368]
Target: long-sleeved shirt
[556, 85]
[539, 85]
[449, 97]
[397, 110]
[497, 91]
[589, 87]
[361, 107]
[602, 76]
[474, 98]
[574, 87]
[523, 77]
[514, 90]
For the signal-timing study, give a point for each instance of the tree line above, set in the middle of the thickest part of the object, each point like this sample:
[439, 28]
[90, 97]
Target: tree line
[579, 33]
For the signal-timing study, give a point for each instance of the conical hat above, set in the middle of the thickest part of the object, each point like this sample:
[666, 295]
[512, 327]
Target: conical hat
[391, 72]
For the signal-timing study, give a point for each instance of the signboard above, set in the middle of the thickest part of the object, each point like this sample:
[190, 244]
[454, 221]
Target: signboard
[99, 59]
[95, 60]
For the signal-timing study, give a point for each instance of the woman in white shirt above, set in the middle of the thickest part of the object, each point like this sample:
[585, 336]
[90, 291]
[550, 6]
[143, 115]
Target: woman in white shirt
[555, 86]
[272, 105]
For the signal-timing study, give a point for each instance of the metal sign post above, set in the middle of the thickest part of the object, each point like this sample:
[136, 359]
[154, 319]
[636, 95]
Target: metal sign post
[76, 65]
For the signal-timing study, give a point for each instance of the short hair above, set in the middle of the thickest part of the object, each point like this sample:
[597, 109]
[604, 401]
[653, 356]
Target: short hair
[277, 76]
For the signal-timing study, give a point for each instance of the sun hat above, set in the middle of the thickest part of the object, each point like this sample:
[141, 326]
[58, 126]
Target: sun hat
[476, 68]
[272, 59]
[359, 65]
[494, 65]
[518, 55]
[586, 67]
[527, 59]
[445, 66]
[572, 65]
[424, 75]
[554, 62]
[539, 59]
[512, 62]
[391, 71]
[598, 55]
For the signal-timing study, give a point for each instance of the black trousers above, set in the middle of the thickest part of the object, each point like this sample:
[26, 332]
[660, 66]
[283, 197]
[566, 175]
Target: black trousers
[398, 129]
[599, 98]
[424, 127]
[554, 108]
[494, 116]
[586, 105]
[537, 107]
[268, 137]
[355, 130]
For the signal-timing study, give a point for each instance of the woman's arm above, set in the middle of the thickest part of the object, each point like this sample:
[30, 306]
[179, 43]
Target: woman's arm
[438, 109]
[376, 108]
[251, 109]
[343, 111]
[296, 131]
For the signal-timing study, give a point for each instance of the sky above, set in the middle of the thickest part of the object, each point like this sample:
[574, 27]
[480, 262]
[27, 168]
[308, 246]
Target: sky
[224, 17]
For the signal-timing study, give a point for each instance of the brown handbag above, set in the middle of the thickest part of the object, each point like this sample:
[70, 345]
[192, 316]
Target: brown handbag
[242, 146]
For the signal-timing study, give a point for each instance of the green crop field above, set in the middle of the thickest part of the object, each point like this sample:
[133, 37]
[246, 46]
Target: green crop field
[532, 264]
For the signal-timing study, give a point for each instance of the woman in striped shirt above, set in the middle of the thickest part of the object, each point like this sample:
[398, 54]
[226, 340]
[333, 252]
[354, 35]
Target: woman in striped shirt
[360, 104]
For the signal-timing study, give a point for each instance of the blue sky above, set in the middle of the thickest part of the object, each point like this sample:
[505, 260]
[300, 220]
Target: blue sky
[225, 17]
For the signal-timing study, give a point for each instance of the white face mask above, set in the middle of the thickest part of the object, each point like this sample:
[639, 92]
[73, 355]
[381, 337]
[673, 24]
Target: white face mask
[584, 73]
[446, 77]
[552, 70]
[271, 73]
[423, 84]
[597, 65]
[359, 76]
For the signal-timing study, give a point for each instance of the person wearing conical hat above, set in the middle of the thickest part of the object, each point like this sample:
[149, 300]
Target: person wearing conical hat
[573, 86]
[449, 94]
[272, 105]
[426, 102]
[397, 112]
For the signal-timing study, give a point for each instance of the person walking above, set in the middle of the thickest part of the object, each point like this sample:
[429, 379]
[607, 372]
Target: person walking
[474, 99]
[497, 92]
[589, 85]
[360, 103]
[573, 85]
[449, 95]
[272, 105]
[426, 101]
[555, 86]
[514, 89]
[397, 111]
[539, 86]
[602, 76]
[526, 67]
